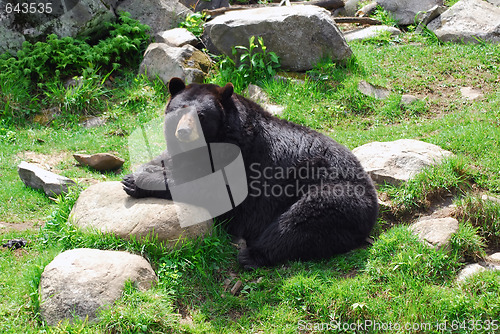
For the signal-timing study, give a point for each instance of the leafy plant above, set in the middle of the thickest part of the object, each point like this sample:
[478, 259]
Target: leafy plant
[385, 17]
[194, 23]
[254, 64]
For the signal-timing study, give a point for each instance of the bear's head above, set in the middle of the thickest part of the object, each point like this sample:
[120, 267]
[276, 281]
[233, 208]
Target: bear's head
[196, 112]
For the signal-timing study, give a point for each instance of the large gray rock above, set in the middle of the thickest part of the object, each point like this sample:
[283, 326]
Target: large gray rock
[38, 178]
[299, 35]
[160, 15]
[200, 5]
[106, 207]
[10, 40]
[80, 282]
[398, 161]
[468, 20]
[167, 62]
[436, 232]
[404, 11]
[176, 37]
[370, 32]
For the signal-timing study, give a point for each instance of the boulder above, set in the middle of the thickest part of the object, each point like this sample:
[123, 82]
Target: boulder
[166, 62]
[435, 231]
[467, 21]
[80, 282]
[176, 37]
[404, 11]
[370, 32]
[100, 161]
[398, 161]
[160, 15]
[198, 6]
[10, 40]
[38, 178]
[423, 18]
[106, 207]
[300, 35]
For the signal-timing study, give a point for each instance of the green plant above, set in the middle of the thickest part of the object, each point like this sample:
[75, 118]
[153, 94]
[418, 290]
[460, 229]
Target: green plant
[385, 17]
[254, 64]
[194, 23]
[467, 244]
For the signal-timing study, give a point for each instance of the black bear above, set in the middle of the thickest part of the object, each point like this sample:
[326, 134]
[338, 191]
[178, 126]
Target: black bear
[308, 196]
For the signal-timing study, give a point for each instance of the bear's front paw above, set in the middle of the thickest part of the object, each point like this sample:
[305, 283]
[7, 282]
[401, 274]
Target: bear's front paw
[130, 187]
[246, 260]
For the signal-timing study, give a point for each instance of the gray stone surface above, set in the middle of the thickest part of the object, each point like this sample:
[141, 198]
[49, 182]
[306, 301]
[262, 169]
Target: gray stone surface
[79, 282]
[258, 95]
[100, 161]
[370, 32]
[377, 92]
[200, 5]
[407, 99]
[176, 37]
[106, 207]
[167, 62]
[299, 35]
[435, 231]
[38, 178]
[351, 7]
[423, 18]
[398, 161]
[404, 11]
[10, 40]
[160, 15]
[468, 20]
[470, 270]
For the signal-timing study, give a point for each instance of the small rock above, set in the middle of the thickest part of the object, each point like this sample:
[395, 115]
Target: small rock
[177, 37]
[398, 161]
[425, 17]
[100, 161]
[367, 10]
[377, 92]
[80, 282]
[494, 258]
[370, 32]
[37, 178]
[15, 243]
[93, 122]
[469, 270]
[436, 232]
[236, 287]
[470, 93]
[490, 198]
[258, 95]
[47, 116]
[408, 99]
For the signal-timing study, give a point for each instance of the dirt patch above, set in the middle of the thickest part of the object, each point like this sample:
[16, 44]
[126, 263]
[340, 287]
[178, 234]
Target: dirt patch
[45, 161]
[22, 226]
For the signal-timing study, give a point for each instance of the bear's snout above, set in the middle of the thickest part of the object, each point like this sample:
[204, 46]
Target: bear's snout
[187, 129]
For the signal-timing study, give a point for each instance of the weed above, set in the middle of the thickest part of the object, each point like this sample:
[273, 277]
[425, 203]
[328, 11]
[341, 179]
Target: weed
[467, 244]
[194, 23]
[385, 17]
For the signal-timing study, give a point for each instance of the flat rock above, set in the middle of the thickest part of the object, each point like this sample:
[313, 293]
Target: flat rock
[467, 21]
[398, 161]
[407, 99]
[494, 258]
[299, 35]
[471, 93]
[38, 178]
[93, 122]
[106, 207]
[470, 270]
[167, 62]
[370, 32]
[377, 92]
[404, 11]
[100, 161]
[258, 95]
[80, 282]
[436, 231]
[177, 37]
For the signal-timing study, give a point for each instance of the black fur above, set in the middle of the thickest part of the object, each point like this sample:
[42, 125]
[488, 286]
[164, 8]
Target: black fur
[330, 206]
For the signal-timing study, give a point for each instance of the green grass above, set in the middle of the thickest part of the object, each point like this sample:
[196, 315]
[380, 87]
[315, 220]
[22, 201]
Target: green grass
[396, 280]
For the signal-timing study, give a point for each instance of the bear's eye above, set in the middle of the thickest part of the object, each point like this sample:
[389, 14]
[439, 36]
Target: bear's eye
[201, 116]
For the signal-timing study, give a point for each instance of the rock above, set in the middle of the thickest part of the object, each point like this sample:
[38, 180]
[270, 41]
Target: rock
[166, 62]
[367, 10]
[407, 99]
[160, 15]
[100, 161]
[467, 21]
[199, 6]
[425, 17]
[93, 122]
[486, 197]
[10, 40]
[287, 31]
[436, 231]
[257, 94]
[80, 282]
[398, 161]
[494, 2]
[494, 259]
[470, 270]
[377, 92]
[370, 32]
[106, 207]
[404, 11]
[236, 288]
[470, 93]
[177, 37]
[38, 178]
[47, 116]
[351, 7]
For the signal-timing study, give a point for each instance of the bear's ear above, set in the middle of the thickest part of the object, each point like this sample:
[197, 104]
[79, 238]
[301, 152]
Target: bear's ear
[227, 91]
[175, 85]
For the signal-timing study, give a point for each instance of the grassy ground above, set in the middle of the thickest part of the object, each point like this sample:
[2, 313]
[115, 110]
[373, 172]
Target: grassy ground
[395, 282]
